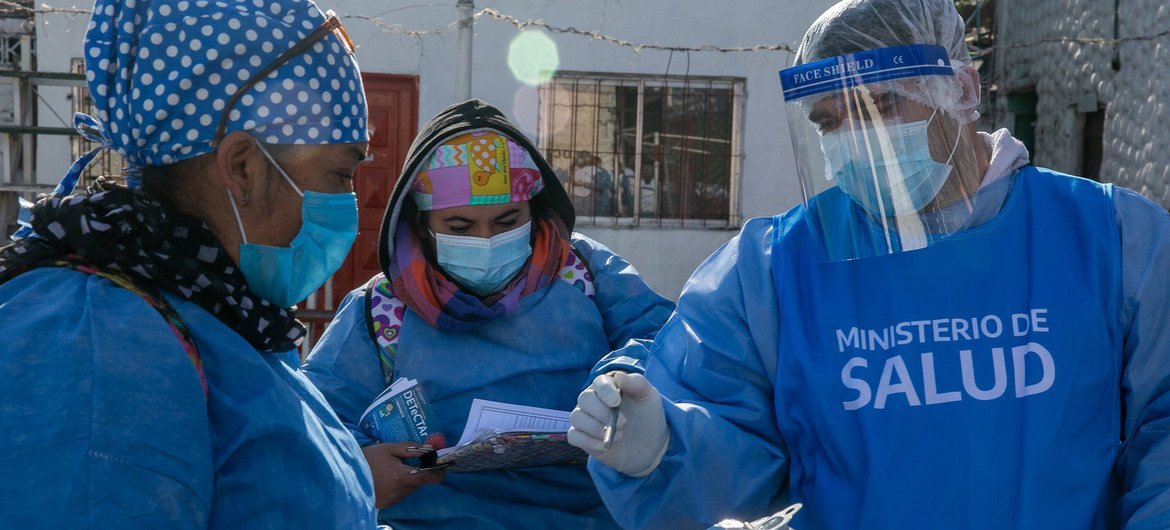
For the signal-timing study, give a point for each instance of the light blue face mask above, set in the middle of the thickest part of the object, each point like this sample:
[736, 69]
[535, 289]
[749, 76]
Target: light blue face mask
[287, 275]
[484, 265]
[886, 186]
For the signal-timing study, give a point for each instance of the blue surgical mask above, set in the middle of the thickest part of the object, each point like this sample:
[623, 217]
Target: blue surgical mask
[287, 275]
[484, 265]
[886, 185]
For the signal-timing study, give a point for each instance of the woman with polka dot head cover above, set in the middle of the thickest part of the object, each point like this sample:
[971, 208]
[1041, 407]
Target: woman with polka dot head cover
[145, 325]
[486, 292]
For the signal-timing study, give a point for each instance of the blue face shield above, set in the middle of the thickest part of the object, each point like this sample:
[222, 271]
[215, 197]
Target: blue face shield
[287, 275]
[484, 265]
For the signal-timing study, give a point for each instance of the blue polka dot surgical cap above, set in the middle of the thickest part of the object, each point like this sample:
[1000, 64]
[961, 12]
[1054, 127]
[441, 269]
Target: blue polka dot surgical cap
[162, 73]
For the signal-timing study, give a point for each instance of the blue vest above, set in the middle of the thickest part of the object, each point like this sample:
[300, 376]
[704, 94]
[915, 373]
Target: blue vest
[973, 384]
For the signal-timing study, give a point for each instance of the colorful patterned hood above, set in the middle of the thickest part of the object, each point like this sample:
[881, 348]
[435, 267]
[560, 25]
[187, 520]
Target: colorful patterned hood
[483, 166]
[456, 131]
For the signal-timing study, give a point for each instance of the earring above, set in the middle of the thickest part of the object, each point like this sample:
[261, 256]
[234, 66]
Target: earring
[244, 199]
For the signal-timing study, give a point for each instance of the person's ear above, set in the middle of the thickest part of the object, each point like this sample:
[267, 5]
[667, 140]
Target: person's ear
[968, 78]
[240, 167]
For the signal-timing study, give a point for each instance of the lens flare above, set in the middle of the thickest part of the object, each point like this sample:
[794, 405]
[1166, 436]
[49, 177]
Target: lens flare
[532, 57]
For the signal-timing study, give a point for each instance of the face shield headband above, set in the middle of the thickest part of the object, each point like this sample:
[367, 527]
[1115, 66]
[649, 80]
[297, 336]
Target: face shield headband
[874, 134]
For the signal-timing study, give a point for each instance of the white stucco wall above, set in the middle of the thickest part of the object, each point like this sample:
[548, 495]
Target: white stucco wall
[1072, 78]
[665, 256]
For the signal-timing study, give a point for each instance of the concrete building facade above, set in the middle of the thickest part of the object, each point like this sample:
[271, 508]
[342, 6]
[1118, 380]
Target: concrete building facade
[1086, 81]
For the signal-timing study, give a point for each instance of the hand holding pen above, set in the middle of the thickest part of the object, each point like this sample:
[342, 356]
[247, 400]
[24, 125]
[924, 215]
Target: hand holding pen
[620, 421]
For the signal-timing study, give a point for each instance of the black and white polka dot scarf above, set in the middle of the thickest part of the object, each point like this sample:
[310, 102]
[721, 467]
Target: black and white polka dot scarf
[128, 231]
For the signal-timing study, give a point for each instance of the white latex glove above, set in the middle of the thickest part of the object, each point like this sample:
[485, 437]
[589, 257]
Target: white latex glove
[641, 438]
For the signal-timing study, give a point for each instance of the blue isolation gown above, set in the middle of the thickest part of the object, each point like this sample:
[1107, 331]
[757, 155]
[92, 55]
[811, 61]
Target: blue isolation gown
[716, 361]
[542, 355]
[105, 424]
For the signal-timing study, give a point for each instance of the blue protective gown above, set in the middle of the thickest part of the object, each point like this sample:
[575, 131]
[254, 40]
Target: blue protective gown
[105, 424]
[541, 355]
[717, 362]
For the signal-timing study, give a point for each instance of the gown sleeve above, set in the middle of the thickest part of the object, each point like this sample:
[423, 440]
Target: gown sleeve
[1143, 464]
[714, 362]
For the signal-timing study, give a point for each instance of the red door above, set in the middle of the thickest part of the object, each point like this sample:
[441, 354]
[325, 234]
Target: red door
[393, 105]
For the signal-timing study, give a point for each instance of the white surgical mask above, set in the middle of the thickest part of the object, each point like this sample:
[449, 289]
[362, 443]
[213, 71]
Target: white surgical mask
[888, 186]
[484, 265]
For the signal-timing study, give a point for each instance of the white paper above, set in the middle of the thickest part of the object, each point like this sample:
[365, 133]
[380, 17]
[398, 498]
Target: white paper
[506, 417]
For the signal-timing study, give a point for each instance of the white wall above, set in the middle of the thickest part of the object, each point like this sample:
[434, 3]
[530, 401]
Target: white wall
[666, 257]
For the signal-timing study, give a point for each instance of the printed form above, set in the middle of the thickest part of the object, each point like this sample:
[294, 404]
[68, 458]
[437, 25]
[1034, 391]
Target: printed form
[506, 417]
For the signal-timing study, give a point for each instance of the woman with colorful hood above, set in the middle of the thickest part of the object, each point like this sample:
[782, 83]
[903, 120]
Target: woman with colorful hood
[144, 326]
[486, 293]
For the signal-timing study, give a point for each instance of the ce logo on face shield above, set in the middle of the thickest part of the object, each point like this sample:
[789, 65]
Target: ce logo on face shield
[899, 59]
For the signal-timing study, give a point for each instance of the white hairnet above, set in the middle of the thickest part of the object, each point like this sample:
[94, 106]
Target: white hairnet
[853, 26]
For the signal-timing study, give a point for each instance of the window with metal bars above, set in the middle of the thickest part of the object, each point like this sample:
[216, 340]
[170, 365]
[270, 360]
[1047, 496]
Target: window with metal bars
[108, 163]
[645, 150]
[9, 51]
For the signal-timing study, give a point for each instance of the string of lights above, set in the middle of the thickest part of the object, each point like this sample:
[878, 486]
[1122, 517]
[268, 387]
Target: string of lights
[1086, 41]
[637, 47]
[11, 7]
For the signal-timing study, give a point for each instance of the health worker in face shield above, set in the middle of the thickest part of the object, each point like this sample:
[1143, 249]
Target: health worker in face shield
[486, 292]
[941, 336]
[147, 326]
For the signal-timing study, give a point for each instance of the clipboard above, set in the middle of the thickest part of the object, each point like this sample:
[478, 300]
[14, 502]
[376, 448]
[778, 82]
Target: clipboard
[505, 450]
[504, 435]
